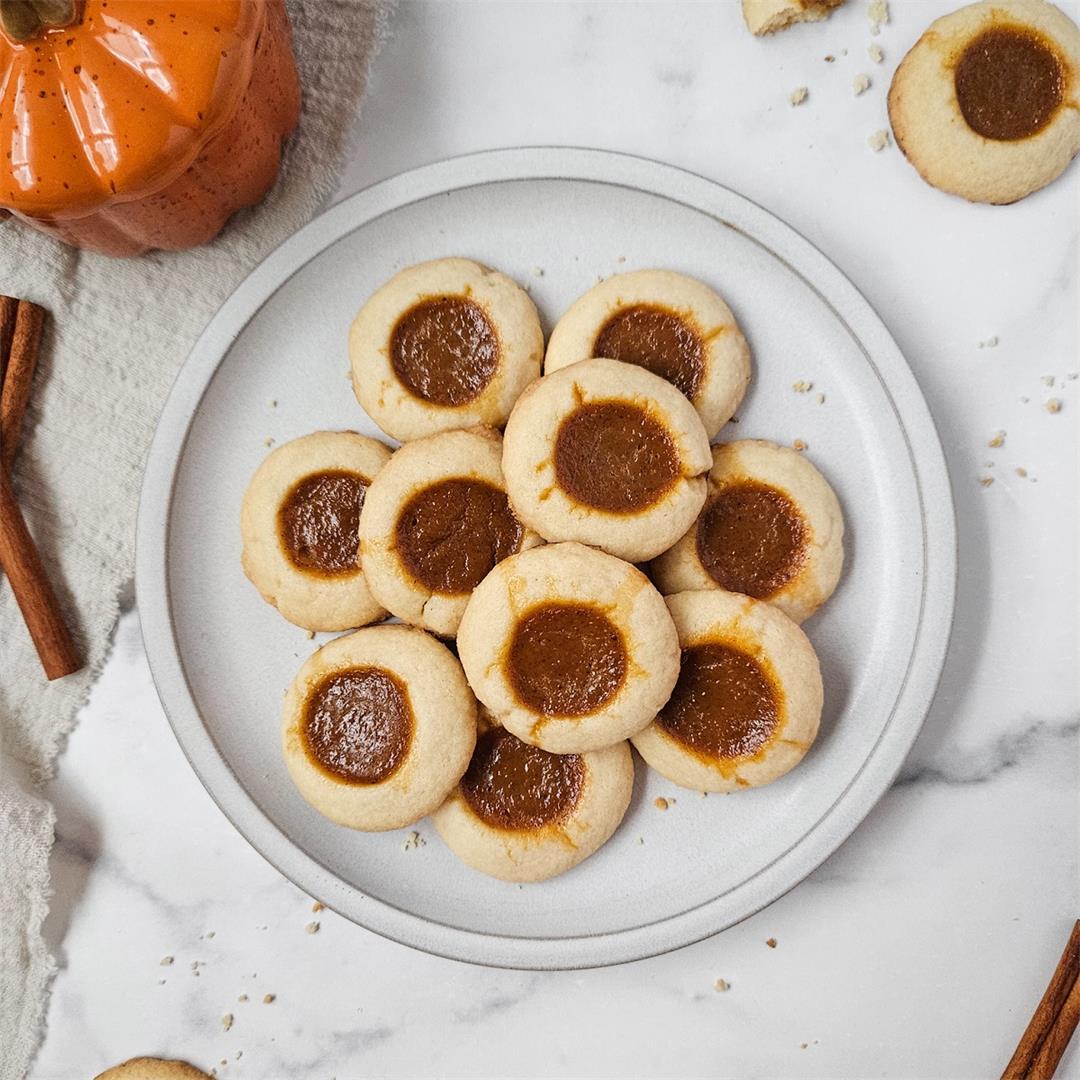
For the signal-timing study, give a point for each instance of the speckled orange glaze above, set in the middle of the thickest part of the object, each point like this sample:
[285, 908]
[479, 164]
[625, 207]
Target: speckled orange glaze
[146, 123]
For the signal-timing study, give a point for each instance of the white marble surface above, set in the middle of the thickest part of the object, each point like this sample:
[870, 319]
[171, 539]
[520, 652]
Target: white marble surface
[921, 947]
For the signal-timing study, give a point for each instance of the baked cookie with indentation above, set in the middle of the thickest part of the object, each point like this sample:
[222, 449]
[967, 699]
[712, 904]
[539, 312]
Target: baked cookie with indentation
[768, 16]
[608, 454]
[145, 1068]
[435, 522]
[378, 727]
[748, 701]
[570, 649]
[523, 814]
[444, 344]
[299, 525]
[671, 324]
[771, 528]
[986, 104]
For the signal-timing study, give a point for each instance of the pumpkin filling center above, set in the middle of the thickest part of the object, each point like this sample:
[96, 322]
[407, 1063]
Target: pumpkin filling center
[566, 659]
[512, 785]
[1009, 83]
[451, 534]
[657, 339]
[613, 456]
[724, 704]
[751, 539]
[445, 350]
[318, 522]
[358, 725]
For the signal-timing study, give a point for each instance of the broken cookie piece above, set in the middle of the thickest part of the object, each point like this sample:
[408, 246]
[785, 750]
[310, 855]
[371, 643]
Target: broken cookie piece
[768, 16]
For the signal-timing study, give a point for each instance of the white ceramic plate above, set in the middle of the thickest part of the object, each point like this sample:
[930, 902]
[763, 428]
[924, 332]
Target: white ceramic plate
[554, 219]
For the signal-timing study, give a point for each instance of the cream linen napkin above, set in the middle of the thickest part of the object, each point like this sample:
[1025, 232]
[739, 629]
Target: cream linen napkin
[119, 331]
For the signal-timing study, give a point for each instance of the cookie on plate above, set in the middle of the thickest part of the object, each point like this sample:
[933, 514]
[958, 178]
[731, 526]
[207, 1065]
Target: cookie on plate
[299, 523]
[771, 528]
[985, 103]
[436, 520]
[444, 344]
[523, 814]
[768, 16]
[748, 701]
[570, 649]
[608, 454]
[146, 1068]
[673, 325]
[378, 727]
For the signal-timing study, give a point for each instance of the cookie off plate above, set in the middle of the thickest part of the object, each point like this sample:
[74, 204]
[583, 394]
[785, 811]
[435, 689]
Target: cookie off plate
[273, 365]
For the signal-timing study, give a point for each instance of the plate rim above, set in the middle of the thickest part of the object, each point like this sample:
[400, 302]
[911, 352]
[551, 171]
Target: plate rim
[929, 649]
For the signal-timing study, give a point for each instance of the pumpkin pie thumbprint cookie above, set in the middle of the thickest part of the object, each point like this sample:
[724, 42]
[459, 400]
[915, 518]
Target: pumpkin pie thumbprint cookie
[523, 814]
[145, 1068]
[378, 727]
[299, 525]
[442, 345]
[748, 701]
[570, 649]
[673, 325]
[435, 522]
[986, 104]
[608, 454]
[771, 528]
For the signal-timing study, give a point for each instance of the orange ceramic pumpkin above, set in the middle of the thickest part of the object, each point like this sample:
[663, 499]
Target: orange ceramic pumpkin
[141, 123]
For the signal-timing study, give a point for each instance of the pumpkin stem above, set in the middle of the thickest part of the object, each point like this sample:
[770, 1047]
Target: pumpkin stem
[22, 20]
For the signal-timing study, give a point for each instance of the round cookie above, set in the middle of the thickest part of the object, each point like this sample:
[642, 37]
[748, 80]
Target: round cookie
[146, 1068]
[523, 814]
[435, 521]
[299, 522]
[985, 105]
[771, 528]
[608, 454]
[748, 701]
[570, 649]
[671, 324]
[378, 727]
[444, 344]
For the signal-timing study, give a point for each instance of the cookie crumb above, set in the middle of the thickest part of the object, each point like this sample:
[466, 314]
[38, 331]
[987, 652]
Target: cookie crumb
[721, 985]
[227, 1021]
[798, 95]
[1070, 375]
[165, 961]
[269, 999]
[537, 271]
[989, 343]
[1021, 471]
[1048, 380]
[312, 927]
[268, 442]
[802, 387]
[875, 53]
[799, 445]
[860, 84]
[195, 965]
[412, 841]
[273, 403]
[878, 11]
[879, 140]
[771, 942]
[242, 998]
[1054, 405]
[621, 259]
[1024, 400]
[210, 935]
[641, 839]
[803, 1046]
[660, 802]
[311, 635]
[821, 399]
[986, 481]
[317, 907]
[830, 59]
[997, 441]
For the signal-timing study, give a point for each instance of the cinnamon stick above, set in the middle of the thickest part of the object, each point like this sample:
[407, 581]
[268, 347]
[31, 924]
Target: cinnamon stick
[21, 562]
[8, 306]
[1054, 1021]
[18, 378]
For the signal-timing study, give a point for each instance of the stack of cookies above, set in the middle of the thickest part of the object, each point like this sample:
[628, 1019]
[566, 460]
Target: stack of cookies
[597, 575]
